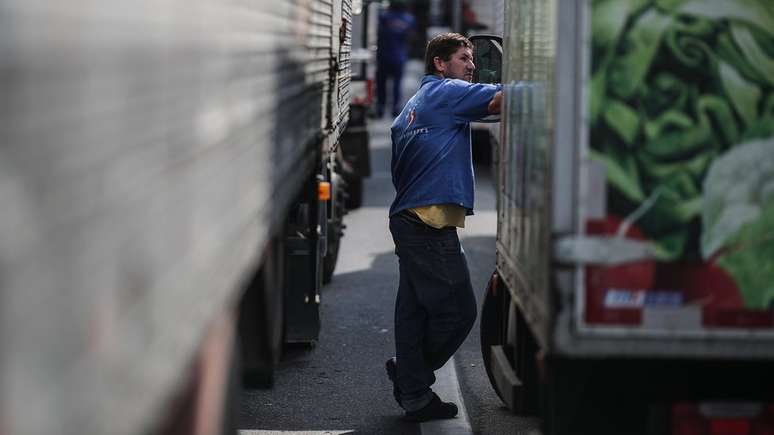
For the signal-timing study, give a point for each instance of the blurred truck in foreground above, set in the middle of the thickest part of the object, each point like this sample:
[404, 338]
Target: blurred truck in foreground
[169, 195]
[635, 246]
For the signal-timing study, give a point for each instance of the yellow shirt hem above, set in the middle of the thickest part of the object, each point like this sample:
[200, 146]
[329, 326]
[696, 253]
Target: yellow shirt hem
[442, 215]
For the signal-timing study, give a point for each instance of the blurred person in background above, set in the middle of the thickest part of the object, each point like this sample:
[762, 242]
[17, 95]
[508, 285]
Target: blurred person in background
[396, 27]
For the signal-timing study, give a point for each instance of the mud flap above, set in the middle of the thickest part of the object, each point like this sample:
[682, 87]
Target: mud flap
[302, 299]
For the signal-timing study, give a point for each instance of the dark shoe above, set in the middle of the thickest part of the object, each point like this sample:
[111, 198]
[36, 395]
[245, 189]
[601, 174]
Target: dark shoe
[435, 410]
[392, 374]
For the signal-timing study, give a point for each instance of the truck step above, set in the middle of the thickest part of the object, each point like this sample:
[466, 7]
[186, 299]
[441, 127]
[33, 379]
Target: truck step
[508, 384]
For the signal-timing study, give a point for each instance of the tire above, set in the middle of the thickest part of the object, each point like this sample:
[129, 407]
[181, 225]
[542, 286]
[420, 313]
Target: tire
[261, 324]
[498, 315]
[335, 232]
[354, 192]
[332, 255]
[233, 394]
[492, 329]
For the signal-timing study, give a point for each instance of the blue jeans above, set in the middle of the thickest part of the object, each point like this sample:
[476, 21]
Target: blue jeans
[435, 307]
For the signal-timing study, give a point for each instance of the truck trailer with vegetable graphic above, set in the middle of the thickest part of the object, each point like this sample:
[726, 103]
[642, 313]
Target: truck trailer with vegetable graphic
[634, 290]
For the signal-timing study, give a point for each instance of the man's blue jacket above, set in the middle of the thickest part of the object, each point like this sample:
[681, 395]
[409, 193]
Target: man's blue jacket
[432, 161]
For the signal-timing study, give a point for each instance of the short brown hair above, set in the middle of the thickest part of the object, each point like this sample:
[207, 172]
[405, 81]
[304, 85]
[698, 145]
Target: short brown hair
[444, 46]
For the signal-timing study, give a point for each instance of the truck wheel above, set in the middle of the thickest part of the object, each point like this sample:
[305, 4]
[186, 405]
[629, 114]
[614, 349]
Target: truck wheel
[509, 350]
[233, 394]
[332, 255]
[335, 232]
[261, 324]
[491, 329]
[355, 192]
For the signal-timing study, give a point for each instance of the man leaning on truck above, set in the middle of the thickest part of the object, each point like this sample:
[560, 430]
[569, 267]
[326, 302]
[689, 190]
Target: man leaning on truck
[432, 171]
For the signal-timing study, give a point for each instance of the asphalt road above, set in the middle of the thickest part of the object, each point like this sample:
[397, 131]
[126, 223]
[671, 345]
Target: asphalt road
[340, 384]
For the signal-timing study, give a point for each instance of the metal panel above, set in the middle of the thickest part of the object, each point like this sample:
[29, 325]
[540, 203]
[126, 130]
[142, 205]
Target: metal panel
[569, 82]
[341, 70]
[525, 157]
[148, 147]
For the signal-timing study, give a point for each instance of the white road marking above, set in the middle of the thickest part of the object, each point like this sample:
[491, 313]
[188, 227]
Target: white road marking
[447, 387]
[286, 432]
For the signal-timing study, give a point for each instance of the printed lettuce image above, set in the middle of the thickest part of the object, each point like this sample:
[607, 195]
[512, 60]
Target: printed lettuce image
[675, 85]
[682, 118]
[738, 219]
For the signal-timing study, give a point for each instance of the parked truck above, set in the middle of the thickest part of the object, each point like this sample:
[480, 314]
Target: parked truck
[167, 178]
[484, 17]
[355, 142]
[635, 242]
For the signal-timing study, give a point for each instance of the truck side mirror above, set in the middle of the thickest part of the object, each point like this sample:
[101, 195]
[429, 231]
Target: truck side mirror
[488, 58]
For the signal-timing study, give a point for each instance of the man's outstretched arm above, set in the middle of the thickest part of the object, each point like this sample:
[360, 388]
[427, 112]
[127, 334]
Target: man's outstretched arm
[496, 103]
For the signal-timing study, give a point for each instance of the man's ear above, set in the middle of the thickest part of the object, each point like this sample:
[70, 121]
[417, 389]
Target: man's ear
[440, 65]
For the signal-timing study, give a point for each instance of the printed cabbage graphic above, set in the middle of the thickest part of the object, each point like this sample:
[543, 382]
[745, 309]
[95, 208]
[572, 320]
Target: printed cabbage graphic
[738, 219]
[675, 84]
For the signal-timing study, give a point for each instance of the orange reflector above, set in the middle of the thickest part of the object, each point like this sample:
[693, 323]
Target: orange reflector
[324, 191]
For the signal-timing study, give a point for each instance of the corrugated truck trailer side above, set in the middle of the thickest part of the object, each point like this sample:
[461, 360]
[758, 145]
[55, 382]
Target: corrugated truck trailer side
[635, 248]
